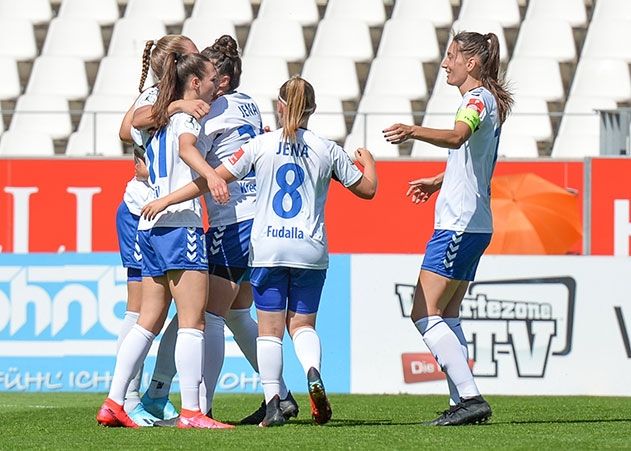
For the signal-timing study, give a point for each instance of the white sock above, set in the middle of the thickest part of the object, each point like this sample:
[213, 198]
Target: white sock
[246, 331]
[214, 350]
[307, 347]
[132, 397]
[131, 354]
[447, 350]
[456, 328]
[269, 352]
[189, 361]
[165, 370]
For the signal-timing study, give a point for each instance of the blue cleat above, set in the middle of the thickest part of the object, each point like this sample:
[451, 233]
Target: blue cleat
[159, 407]
[141, 417]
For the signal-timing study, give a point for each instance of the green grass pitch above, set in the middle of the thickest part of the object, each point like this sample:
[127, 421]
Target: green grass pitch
[67, 421]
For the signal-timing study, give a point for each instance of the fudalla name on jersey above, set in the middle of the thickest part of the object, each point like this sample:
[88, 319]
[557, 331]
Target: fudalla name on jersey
[292, 233]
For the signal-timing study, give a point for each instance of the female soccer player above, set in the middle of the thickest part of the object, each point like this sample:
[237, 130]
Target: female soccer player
[288, 250]
[172, 245]
[463, 223]
[233, 120]
[136, 196]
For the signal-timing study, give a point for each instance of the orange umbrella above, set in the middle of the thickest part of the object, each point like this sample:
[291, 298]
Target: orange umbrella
[532, 216]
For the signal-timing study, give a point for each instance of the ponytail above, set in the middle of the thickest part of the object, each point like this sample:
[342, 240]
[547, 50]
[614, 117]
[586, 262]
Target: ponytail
[298, 96]
[146, 61]
[487, 49]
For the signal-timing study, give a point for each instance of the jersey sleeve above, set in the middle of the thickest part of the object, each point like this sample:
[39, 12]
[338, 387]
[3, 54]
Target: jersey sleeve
[184, 123]
[472, 111]
[240, 163]
[344, 169]
[146, 97]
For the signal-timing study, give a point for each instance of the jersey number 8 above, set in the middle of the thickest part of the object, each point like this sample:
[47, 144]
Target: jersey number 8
[288, 189]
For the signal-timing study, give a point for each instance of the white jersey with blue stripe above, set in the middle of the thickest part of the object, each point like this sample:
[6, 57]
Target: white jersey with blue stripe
[168, 173]
[464, 201]
[233, 120]
[292, 181]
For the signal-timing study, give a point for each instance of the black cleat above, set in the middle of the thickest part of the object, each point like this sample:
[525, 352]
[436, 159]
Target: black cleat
[273, 414]
[468, 411]
[288, 406]
[170, 423]
[320, 407]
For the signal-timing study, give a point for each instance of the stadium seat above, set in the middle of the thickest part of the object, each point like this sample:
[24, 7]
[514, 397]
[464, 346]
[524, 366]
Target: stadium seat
[572, 11]
[266, 108]
[9, 78]
[442, 89]
[36, 11]
[483, 26]
[346, 38]
[436, 11]
[45, 113]
[119, 76]
[276, 38]
[611, 10]
[239, 12]
[59, 75]
[328, 119]
[170, 12]
[105, 12]
[130, 35]
[602, 78]
[410, 38]
[305, 12]
[99, 125]
[608, 39]
[17, 39]
[374, 114]
[530, 116]
[402, 77]
[204, 32]
[579, 132]
[517, 146]
[546, 38]
[506, 12]
[440, 113]
[80, 38]
[344, 85]
[26, 143]
[263, 76]
[371, 12]
[536, 77]
[422, 150]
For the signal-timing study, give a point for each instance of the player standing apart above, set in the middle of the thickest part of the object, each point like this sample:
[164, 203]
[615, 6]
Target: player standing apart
[288, 248]
[463, 222]
[172, 245]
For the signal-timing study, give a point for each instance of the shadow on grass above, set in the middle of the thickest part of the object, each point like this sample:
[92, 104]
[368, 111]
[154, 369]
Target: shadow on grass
[552, 421]
[352, 423]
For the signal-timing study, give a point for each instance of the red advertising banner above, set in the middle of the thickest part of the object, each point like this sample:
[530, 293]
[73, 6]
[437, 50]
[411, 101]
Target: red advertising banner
[67, 205]
[610, 212]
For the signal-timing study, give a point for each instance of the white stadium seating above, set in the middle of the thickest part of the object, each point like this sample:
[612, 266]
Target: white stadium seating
[276, 38]
[50, 113]
[410, 38]
[305, 12]
[9, 78]
[80, 38]
[204, 32]
[17, 39]
[436, 11]
[105, 12]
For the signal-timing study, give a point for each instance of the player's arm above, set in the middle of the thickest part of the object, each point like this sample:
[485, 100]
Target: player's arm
[422, 189]
[124, 133]
[143, 117]
[450, 139]
[366, 186]
[217, 186]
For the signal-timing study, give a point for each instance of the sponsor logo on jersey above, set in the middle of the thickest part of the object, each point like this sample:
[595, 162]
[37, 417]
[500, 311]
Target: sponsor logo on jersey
[520, 323]
[476, 104]
[236, 156]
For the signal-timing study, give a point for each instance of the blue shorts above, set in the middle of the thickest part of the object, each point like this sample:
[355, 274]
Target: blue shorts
[127, 231]
[280, 288]
[172, 248]
[228, 250]
[455, 255]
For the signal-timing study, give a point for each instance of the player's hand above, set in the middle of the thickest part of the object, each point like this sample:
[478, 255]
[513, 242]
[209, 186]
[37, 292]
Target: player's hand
[364, 157]
[422, 189]
[196, 108]
[153, 208]
[218, 188]
[397, 133]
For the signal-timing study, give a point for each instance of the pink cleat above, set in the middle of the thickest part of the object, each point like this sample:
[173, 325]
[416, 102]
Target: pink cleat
[113, 415]
[194, 419]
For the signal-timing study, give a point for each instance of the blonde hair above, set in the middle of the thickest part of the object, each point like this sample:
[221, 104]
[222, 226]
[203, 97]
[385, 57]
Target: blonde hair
[155, 53]
[299, 98]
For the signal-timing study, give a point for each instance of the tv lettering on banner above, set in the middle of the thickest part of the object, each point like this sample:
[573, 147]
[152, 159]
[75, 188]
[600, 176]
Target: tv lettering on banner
[60, 315]
[534, 326]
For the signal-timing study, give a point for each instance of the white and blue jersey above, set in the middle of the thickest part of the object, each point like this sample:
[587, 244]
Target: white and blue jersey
[174, 239]
[292, 181]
